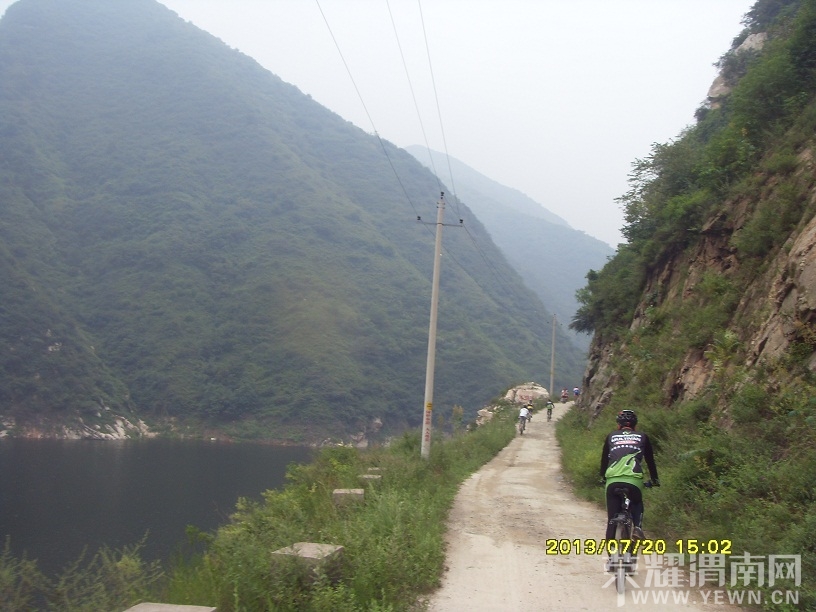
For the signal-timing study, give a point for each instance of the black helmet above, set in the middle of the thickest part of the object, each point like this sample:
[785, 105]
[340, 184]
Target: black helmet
[627, 418]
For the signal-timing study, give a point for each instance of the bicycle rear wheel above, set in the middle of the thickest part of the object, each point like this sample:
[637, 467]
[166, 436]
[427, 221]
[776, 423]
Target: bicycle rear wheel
[621, 533]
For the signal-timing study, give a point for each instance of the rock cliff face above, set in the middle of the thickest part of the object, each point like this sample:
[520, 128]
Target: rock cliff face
[791, 297]
[776, 311]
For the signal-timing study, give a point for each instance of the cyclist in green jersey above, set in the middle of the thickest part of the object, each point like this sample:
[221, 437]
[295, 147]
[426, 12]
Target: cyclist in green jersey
[623, 453]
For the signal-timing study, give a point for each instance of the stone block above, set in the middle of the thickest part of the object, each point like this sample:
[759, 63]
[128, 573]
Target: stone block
[342, 497]
[313, 557]
[370, 478]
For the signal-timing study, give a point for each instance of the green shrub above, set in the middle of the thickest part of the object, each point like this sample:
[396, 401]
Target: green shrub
[781, 162]
[110, 580]
[770, 226]
[20, 581]
[749, 405]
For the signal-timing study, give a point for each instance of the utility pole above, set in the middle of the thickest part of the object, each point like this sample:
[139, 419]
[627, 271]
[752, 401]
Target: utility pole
[427, 416]
[552, 359]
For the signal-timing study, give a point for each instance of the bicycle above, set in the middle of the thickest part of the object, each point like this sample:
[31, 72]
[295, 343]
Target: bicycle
[522, 424]
[624, 563]
[549, 413]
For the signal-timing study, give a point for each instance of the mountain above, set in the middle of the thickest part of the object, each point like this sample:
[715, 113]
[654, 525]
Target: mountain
[705, 320]
[551, 257]
[187, 240]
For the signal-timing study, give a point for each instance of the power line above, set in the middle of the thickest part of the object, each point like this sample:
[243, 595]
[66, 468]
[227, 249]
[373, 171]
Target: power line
[438, 109]
[481, 252]
[365, 108]
[491, 266]
[413, 96]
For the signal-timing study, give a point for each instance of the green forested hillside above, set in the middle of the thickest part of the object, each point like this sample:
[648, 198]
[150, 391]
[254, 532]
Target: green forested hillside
[183, 235]
[704, 320]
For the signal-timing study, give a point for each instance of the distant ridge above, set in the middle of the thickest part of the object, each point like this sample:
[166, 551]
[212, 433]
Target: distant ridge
[473, 185]
[551, 257]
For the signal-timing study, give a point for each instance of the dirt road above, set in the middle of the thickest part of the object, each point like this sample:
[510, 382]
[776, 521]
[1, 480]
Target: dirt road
[498, 557]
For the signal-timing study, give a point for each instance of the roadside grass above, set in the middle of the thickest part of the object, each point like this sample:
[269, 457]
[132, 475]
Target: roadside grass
[393, 540]
[741, 474]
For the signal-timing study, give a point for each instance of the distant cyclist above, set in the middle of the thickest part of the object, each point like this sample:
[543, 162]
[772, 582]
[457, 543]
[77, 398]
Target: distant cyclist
[529, 411]
[523, 414]
[621, 466]
[576, 392]
[550, 407]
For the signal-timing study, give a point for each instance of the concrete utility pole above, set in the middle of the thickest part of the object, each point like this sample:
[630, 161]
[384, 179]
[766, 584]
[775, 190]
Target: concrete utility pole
[552, 359]
[429, 369]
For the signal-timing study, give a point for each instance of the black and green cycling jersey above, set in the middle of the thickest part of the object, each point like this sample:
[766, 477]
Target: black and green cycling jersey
[623, 454]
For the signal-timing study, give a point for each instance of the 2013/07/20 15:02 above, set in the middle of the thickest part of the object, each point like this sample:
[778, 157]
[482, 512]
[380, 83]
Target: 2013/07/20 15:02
[646, 547]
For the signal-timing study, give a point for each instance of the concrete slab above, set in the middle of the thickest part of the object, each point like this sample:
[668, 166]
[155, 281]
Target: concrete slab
[318, 558]
[343, 497]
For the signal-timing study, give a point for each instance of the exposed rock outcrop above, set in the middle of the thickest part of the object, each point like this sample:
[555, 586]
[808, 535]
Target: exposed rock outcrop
[722, 85]
[116, 428]
[521, 394]
[527, 392]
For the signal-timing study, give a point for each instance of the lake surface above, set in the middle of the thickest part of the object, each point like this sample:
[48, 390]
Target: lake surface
[58, 497]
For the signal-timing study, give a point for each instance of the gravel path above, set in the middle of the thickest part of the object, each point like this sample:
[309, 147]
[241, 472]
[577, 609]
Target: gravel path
[497, 557]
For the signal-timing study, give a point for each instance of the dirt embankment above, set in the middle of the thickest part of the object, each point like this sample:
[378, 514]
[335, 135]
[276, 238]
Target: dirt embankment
[510, 517]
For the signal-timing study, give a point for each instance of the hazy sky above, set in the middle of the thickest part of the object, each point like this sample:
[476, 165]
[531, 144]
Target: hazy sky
[555, 98]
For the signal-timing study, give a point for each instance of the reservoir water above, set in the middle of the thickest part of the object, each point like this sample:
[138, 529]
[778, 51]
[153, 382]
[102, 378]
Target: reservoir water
[58, 497]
